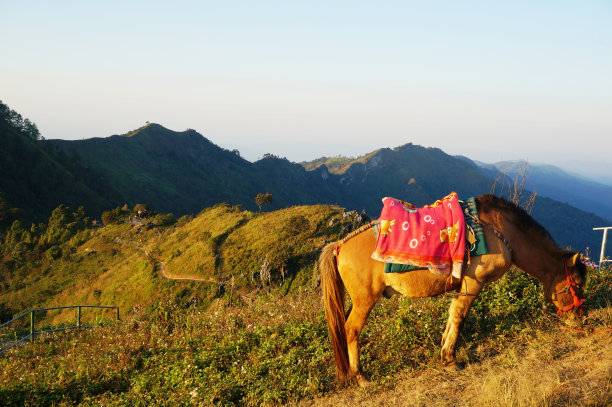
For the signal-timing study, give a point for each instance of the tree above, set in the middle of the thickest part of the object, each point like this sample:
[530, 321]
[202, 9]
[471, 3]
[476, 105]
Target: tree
[24, 126]
[263, 199]
[117, 215]
[4, 211]
[142, 210]
[60, 224]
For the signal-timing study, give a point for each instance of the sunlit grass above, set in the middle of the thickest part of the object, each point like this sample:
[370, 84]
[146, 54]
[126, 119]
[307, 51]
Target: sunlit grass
[184, 343]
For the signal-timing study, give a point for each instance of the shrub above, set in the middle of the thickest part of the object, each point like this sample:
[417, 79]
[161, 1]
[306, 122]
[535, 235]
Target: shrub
[54, 253]
[163, 219]
[6, 313]
[115, 216]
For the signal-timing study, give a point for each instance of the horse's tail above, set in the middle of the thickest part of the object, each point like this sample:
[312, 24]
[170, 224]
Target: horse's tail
[333, 297]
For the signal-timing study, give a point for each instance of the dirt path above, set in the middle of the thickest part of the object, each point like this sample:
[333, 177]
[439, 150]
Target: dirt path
[171, 276]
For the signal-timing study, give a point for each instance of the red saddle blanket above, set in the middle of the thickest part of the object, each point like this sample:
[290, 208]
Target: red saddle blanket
[431, 237]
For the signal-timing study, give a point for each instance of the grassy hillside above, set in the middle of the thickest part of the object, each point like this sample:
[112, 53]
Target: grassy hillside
[108, 268]
[274, 350]
[253, 331]
[121, 265]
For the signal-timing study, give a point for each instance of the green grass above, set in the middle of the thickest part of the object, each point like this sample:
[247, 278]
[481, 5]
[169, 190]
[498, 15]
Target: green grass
[272, 351]
[187, 343]
[119, 265]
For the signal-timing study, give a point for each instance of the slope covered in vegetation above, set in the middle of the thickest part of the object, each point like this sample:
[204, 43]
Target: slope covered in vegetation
[36, 179]
[274, 350]
[128, 263]
[253, 331]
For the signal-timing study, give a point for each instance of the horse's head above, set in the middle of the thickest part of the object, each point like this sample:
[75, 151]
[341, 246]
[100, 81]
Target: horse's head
[567, 288]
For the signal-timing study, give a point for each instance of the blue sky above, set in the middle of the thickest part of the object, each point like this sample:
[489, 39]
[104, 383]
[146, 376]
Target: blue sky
[492, 80]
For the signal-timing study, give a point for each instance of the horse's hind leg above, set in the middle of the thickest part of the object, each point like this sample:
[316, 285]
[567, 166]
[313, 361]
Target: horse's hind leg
[354, 324]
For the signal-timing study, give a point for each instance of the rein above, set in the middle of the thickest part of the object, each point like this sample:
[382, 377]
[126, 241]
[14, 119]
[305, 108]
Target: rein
[496, 232]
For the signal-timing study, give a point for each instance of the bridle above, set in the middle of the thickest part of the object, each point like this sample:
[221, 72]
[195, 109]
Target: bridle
[577, 303]
[570, 287]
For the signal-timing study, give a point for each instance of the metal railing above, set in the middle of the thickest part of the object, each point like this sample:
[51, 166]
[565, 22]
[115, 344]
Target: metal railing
[602, 259]
[33, 332]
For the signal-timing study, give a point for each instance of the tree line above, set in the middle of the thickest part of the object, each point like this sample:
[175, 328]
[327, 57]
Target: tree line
[25, 126]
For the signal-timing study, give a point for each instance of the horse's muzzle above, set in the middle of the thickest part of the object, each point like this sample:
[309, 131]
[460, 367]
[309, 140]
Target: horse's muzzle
[576, 317]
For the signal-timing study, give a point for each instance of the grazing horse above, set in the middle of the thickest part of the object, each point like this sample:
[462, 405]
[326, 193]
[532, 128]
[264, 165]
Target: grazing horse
[513, 237]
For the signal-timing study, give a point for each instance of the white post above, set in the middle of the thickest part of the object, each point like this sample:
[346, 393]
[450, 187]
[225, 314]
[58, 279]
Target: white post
[603, 244]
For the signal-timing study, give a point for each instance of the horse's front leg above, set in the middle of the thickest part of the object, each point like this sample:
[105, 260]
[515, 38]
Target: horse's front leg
[459, 308]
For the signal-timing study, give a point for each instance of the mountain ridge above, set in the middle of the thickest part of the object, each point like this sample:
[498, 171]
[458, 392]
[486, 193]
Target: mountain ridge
[184, 172]
[558, 184]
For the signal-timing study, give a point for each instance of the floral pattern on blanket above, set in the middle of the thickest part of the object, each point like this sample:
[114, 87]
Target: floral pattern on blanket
[432, 237]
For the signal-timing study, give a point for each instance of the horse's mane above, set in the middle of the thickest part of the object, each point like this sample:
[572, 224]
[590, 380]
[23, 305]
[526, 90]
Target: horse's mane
[486, 203]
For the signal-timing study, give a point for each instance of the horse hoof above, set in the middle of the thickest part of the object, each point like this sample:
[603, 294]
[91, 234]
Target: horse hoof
[363, 381]
[455, 367]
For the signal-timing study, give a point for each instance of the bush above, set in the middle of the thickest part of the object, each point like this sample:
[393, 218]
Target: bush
[115, 216]
[503, 307]
[163, 219]
[6, 313]
[54, 253]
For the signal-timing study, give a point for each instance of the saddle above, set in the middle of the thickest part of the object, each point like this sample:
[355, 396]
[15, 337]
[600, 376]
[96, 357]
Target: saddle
[436, 237]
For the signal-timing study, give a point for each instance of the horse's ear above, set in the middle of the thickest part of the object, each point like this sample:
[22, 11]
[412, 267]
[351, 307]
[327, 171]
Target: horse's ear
[576, 258]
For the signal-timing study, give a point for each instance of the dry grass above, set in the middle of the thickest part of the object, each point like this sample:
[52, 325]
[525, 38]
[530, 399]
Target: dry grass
[539, 368]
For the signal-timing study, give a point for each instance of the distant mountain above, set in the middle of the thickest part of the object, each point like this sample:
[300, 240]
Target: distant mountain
[595, 170]
[422, 175]
[410, 172]
[552, 182]
[183, 172]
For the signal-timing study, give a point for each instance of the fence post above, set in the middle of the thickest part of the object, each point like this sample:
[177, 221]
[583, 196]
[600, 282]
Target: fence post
[32, 326]
[117, 313]
[603, 245]
[79, 317]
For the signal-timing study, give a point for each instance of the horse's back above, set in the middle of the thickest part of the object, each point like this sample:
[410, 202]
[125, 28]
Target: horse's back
[363, 275]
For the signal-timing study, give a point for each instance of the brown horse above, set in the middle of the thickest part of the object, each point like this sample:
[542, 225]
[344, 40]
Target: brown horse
[513, 237]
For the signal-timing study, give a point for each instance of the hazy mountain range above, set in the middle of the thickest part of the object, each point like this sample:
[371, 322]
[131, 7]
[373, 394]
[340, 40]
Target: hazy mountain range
[553, 182]
[183, 172]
